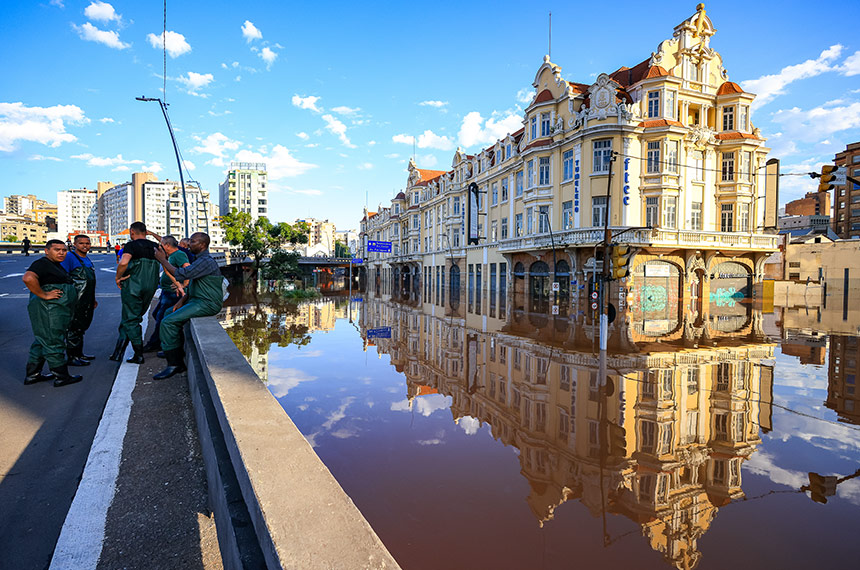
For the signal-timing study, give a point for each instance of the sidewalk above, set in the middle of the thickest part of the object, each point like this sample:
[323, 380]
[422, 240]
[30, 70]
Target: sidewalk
[157, 515]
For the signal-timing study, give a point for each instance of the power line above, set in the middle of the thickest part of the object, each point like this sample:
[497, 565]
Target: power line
[702, 169]
[164, 56]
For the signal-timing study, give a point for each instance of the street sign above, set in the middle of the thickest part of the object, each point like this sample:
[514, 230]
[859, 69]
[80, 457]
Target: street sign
[383, 332]
[594, 306]
[840, 174]
[555, 287]
[357, 260]
[379, 246]
[555, 309]
[594, 294]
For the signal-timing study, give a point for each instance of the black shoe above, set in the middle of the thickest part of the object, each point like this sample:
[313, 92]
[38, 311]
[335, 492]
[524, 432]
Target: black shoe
[83, 356]
[137, 358]
[78, 361]
[170, 371]
[34, 373]
[63, 378]
[151, 347]
[119, 350]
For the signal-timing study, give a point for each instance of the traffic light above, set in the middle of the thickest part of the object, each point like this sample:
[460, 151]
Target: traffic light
[620, 255]
[827, 177]
[617, 438]
[821, 487]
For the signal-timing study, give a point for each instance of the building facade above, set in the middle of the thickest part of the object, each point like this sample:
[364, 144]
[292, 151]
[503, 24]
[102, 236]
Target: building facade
[813, 204]
[846, 201]
[16, 228]
[321, 236]
[77, 211]
[245, 189]
[664, 153]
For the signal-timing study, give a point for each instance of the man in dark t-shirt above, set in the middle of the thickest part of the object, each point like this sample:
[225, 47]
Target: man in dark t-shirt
[137, 278]
[26, 244]
[52, 302]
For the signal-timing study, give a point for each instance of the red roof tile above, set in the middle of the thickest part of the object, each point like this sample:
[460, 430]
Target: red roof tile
[428, 175]
[733, 136]
[545, 95]
[729, 88]
[660, 123]
[539, 142]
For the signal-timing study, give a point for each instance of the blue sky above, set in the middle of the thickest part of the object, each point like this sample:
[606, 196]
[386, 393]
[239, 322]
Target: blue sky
[331, 94]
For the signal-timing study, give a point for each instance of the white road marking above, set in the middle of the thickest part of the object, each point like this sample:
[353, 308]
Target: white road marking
[83, 534]
[27, 295]
[108, 270]
[13, 275]
[3, 294]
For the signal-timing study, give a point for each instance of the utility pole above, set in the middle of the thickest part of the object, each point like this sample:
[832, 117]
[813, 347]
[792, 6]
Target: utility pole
[604, 281]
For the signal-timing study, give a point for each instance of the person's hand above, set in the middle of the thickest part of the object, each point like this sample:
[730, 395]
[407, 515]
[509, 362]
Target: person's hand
[120, 280]
[53, 294]
[160, 255]
[95, 304]
[179, 290]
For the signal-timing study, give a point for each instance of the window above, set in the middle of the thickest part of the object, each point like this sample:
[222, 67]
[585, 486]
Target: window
[672, 156]
[416, 222]
[670, 104]
[500, 154]
[567, 215]
[415, 198]
[598, 211]
[653, 104]
[728, 167]
[653, 164]
[505, 189]
[544, 124]
[456, 205]
[743, 217]
[518, 225]
[698, 166]
[696, 216]
[543, 170]
[746, 163]
[567, 165]
[693, 71]
[543, 219]
[729, 118]
[519, 183]
[727, 223]
[602, 155]
[495, 194]
[493, 230]
[743, 117]
[529, 221]
[504, 228]
[651, 211]
[670, 208]
[531, 173]
[533, 127]
[508, 150]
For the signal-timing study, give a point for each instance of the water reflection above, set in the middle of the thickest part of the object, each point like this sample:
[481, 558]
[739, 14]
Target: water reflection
[664, 445]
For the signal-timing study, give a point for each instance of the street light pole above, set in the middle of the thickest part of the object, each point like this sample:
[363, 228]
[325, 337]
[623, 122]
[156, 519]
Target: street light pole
[163, 106]
[604, 313]
[554, 261]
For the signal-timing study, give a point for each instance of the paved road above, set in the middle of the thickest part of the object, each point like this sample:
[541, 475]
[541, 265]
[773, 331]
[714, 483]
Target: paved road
[46, 432]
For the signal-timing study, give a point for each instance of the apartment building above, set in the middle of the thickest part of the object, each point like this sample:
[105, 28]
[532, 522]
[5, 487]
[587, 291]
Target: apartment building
[664, 153]
[321, 236]
[77, 210]
[245, 189]
[846, 201]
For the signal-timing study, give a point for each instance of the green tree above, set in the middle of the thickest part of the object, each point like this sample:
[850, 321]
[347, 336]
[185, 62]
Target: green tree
[340, 249]
[261, 238]
[282, 265]
[12, 238]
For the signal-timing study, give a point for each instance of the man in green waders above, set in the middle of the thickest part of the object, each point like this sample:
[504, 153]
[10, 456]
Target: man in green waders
[203, 299]
[83, 274]
[137, 278]
[52, 302]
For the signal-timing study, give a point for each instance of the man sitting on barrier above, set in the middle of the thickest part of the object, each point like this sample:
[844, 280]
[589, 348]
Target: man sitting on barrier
[203, 298]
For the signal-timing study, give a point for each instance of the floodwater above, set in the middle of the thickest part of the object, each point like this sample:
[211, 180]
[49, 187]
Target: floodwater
[469, 441]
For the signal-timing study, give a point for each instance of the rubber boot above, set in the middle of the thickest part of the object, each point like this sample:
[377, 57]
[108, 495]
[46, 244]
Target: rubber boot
[34, 373]
[77, 361]
[63, 378]
[175, 364]
[137, 357]
[119, 350]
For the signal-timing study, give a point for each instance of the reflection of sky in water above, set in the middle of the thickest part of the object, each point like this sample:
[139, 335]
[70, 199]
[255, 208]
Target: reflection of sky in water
[442, 495]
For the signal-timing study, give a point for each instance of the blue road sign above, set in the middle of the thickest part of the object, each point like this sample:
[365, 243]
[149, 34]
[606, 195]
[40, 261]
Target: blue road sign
[357, 260]
[383, 332]
[379, 246]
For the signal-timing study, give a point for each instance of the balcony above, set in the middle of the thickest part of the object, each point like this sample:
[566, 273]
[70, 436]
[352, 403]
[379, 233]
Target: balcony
[654, 238]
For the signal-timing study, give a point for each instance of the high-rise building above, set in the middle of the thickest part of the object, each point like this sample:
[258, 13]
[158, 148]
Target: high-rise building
[846, 201]
[245, 189]
[813, 204]
[23, 205]
[101, 188]
[77, 211]
[320, 236]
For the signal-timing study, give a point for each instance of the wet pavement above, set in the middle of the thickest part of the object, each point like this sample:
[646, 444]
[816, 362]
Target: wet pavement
[467, 440]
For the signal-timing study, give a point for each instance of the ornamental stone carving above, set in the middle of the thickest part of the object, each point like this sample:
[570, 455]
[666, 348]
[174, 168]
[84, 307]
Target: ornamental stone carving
[700, 137]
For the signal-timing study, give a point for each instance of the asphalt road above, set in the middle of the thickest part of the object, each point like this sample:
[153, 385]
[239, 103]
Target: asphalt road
[46, 432]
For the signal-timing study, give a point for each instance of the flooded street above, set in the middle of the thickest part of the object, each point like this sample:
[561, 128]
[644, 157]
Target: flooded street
[475, 440]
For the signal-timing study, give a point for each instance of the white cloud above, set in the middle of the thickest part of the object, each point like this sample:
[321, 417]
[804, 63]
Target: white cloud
[437, 104]
[57, 3]
[429, 441]
[154, 167]
[195, 81]
[250, 32]
[814, 124]
[365, 166]
[427, 139]
[303, 135]
[216, 144]
[105, 161]
[469, 424]
[335, 127]
[475, 131]
[427, 160]
[282, 380]
[219, 162]
[44, 125]
[176, 44]
[309, 102]
[189, 165]
[279, 162]
[525, 95]
[42, 157]
[392, 155]
[106, 120]
[851, 66]
[425, 405]
[308, 192]
[268, 56]
[102, 12]
[344, 110]
[768, 87]
[371, 143]
[109, 38]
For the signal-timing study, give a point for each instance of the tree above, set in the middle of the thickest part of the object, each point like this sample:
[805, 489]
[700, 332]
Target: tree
[282, 265]
[340, 249]
[12, 238]
[261, 238]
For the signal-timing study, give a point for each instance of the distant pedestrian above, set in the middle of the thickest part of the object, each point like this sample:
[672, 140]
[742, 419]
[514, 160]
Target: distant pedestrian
[83, 274]
[171, 290]
[118, 250]
[52, 302]
[204, 298]
[137, 278]
[26, 243]
[68, 244]
[184, 246]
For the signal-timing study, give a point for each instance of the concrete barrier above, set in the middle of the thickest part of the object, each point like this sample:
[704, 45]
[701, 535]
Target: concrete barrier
[276, 504]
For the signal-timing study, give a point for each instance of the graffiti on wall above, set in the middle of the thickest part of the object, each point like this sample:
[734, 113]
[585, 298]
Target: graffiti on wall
[726, 297]
[653, 298]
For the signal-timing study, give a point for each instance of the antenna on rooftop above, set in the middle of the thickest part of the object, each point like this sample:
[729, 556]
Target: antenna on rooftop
[413, 147]
[549, 51]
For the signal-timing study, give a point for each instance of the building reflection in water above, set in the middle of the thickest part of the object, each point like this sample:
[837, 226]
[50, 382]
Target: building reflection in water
[663, 446]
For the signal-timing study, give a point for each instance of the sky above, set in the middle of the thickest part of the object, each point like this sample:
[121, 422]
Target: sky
[332, 95]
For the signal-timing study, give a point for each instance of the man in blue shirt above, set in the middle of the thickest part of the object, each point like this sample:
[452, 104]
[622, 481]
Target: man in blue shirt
[80, 268]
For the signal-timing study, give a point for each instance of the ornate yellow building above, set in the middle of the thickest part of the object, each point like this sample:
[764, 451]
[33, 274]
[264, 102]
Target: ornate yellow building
[665, 149]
